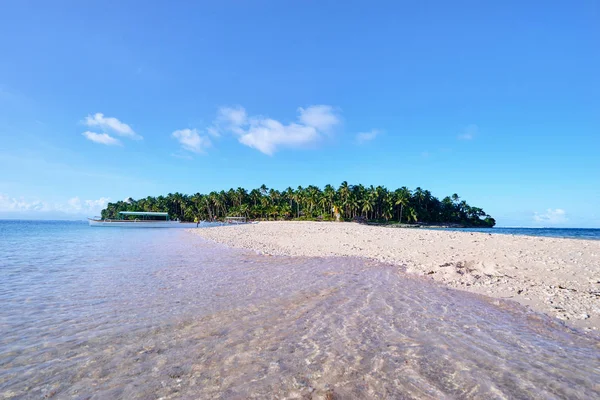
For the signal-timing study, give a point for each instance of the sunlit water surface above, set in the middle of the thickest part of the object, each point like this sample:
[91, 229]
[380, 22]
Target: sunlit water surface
[568, 233]
[108, 313]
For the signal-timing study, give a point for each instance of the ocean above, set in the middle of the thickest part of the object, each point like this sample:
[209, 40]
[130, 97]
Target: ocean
[161, 313]
[569, 233]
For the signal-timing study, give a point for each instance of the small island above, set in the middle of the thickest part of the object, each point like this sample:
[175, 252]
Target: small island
[348, 202]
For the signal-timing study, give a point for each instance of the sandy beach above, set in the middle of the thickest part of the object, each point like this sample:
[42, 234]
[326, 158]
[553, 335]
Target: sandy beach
[559, 277]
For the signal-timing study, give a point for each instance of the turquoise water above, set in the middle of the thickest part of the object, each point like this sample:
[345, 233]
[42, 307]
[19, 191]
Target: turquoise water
[571, 233]
[117, 313]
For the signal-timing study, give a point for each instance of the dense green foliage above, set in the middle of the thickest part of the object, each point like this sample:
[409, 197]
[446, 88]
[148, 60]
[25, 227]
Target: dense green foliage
[353, 201]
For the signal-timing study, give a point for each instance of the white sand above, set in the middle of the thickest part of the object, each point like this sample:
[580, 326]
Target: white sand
[560, 277]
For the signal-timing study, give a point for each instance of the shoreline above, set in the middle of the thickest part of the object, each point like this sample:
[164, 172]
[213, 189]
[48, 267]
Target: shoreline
[555, 276]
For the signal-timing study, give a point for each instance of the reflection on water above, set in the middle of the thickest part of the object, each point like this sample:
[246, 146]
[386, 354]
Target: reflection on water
[166, 315]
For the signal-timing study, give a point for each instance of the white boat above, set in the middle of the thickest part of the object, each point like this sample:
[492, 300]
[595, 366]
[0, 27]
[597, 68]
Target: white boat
[144, 219]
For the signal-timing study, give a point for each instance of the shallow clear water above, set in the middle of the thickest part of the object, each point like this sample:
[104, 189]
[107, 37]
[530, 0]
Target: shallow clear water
[111, 313]
[572, 233]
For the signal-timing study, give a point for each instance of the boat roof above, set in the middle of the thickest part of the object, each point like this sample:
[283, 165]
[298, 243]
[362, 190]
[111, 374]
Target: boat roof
[160, 214]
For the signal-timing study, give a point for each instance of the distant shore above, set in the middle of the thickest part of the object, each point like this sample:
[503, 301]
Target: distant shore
[559, 277]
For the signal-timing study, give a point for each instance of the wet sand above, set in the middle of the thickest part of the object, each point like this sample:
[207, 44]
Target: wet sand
[559, 277]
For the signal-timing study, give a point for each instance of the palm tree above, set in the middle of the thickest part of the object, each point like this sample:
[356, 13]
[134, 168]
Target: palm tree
[274, 195]
[298, 197]
[285, 210]
[329, 193]
[351, 200]
[427, 198]
[380, 193]
[263, 189]
[402, 199]
[387, 211]
[367, 206]
[419, 195]
[265, 203]
[289, 194]
[255, 195]
[324, 203]
[412, 214]
[242, 194]
[447, 209]
[177, 199]
[208, 205]
[244, 210]
[344, 192]
[353, 204]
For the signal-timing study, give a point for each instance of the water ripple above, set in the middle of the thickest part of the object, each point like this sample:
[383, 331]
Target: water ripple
[103, 313]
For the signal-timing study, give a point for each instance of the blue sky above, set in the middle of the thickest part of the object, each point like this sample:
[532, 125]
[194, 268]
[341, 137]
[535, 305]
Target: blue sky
[107, 100]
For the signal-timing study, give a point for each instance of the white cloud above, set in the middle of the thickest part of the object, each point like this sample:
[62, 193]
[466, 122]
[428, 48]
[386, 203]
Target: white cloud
[229, 119]
[321, 117]
[111, 124]
[97, 204]
[363, 137]
[551, 216]
[191, 140]
[268, 135]
[469, 132]
[102, 138]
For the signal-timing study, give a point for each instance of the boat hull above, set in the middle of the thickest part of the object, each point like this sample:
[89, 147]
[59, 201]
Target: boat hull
[146, 224]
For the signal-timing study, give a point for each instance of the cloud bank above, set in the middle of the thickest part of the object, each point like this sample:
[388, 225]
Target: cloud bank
[551, 217]
[76, 205]
[8, 203]
[73, 206]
